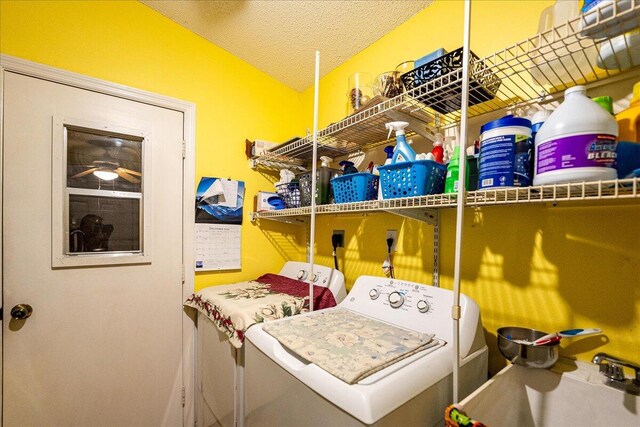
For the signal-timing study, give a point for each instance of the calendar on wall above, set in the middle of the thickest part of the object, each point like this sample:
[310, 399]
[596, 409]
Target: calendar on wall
[219, 204]
[218, 247]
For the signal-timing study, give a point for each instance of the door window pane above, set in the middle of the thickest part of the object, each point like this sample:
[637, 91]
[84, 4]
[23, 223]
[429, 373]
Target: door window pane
[104, 192]
[103, 162]
[103, 224]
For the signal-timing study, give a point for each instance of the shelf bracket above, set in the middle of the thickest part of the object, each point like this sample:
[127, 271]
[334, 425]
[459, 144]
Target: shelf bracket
[294, 220]
[430, 216]
[436, 251]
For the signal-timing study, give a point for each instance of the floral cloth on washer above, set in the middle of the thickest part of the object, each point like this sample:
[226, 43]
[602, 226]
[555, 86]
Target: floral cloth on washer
[234, 308]
[348, 345]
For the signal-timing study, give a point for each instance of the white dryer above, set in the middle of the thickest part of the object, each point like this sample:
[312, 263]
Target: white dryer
[285, 389]
[219, 365]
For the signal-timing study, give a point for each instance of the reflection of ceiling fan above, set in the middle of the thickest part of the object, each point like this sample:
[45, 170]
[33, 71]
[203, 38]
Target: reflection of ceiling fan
[109, 170]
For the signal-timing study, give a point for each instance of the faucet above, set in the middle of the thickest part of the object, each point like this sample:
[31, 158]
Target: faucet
[612, 368]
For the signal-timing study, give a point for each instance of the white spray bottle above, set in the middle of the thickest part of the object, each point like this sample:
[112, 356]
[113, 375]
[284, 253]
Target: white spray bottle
[402, 152]
[326, 161]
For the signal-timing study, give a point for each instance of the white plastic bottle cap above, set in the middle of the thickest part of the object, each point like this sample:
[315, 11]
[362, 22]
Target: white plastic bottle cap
[575, 89]
[540, 116]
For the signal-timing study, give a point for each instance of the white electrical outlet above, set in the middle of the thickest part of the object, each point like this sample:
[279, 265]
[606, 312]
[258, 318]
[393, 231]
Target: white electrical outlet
[392, 234]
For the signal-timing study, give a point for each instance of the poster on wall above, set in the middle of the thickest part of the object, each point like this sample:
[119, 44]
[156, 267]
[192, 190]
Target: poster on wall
[219, 204]
[219, 201]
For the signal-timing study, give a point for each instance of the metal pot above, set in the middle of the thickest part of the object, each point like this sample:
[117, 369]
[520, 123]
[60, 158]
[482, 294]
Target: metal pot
[541, 356]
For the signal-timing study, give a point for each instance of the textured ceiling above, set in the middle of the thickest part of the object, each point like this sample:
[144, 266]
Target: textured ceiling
[280, 37]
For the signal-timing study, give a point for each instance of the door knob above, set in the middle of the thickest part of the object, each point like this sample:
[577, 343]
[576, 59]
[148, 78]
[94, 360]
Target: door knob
[21, 311]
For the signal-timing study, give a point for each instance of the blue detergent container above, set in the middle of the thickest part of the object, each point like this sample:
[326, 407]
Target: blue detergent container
[506, 151]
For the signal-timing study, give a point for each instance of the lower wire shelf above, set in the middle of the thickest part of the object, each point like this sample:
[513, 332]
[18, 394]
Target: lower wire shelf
[589, 193]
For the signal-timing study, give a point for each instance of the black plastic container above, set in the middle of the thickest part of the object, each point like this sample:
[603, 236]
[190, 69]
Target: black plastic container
[324, 191]
[444, 97]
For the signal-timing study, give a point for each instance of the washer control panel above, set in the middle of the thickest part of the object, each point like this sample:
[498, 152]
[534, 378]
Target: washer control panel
[414, 306]
[302, 271]
[317, 278]
[397, 294]
[408, 304]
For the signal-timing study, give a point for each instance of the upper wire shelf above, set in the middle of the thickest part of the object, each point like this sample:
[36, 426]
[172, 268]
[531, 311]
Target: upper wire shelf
[584, 50]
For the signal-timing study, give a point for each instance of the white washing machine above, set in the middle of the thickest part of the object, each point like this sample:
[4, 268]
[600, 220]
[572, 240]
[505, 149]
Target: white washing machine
[285, 389]
[219, 365]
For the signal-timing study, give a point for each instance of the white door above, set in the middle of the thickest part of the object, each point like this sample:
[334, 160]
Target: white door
[102, 345]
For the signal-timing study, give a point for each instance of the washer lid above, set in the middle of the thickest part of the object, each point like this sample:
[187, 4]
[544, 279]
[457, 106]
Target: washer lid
[346, 344]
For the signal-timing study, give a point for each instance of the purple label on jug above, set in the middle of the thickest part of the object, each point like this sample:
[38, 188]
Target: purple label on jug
[577, 151]
[505, 161]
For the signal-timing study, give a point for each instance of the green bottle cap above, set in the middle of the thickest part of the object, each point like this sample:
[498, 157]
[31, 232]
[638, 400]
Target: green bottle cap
[605, 102]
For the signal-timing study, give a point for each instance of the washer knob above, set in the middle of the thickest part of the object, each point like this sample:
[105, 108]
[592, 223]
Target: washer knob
[423, 306]
[374, 293]
[396, 299]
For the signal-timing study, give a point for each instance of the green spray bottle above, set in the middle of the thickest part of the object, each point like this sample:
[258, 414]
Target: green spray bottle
[453, 169]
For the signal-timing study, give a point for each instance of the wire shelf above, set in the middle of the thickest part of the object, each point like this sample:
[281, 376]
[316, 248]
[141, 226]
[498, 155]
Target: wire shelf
[595, 193]
[537, 69]
[550, 62]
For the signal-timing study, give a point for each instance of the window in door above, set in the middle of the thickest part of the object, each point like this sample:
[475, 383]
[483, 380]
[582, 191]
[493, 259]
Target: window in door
[103, 199]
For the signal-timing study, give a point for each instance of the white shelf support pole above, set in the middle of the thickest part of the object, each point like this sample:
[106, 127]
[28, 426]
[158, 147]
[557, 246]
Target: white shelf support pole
[455, 310]
[312, 225]
[436, 250]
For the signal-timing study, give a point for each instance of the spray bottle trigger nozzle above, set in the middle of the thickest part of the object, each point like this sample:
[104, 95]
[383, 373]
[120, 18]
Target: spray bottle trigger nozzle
[326, 160]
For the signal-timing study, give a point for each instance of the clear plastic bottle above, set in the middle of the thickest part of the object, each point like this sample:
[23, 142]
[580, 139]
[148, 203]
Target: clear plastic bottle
[576, 143]
[552, 69]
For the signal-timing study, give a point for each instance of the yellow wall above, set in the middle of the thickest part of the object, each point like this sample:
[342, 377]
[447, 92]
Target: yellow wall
[543, 267]
[537, 266]
[129, 43]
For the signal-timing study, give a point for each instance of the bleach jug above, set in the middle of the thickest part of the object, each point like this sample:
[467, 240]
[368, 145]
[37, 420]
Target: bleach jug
[577, 142]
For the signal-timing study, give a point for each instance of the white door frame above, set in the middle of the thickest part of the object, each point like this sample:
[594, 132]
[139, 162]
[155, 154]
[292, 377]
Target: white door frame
[32, 69]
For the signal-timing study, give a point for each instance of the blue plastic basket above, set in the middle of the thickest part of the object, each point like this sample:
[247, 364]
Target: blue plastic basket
[409, 179]
[355, 187]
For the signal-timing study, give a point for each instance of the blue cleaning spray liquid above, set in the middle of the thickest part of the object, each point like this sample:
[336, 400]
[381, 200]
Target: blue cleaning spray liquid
[402, 152]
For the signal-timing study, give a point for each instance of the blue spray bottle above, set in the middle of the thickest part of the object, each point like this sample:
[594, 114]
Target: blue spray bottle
[402, 152]
[389, 152]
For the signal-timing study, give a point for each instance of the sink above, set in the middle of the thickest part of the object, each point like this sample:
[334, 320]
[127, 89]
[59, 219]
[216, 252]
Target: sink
[571, 393]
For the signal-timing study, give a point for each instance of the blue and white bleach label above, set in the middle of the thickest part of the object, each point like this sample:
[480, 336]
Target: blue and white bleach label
[505, 161]
[576, 151]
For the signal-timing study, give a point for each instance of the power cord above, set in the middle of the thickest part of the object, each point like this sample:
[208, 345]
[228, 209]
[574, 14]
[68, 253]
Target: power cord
[335, 241]
[389, 245]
